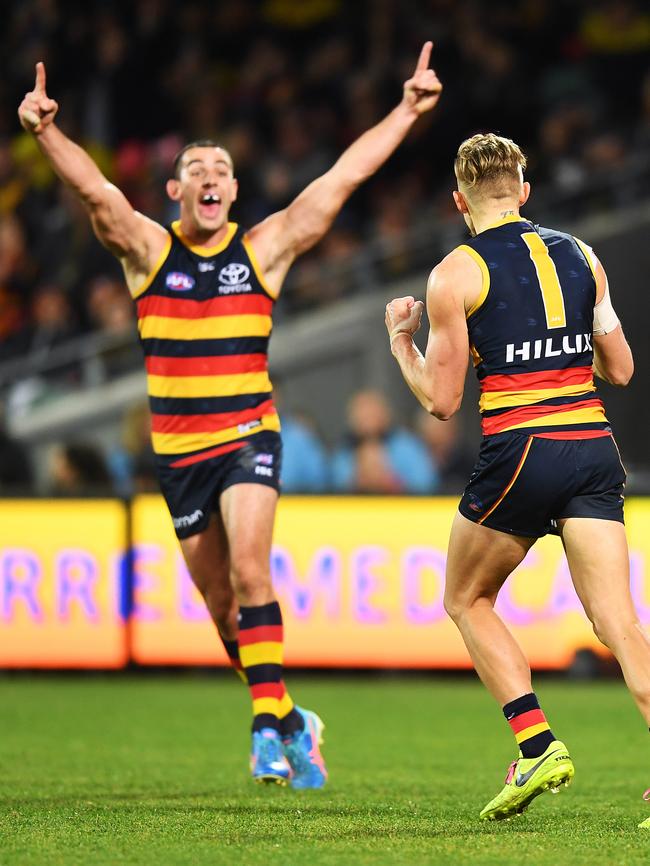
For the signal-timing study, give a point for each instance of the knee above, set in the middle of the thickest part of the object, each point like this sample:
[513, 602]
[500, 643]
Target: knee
[458, 604]
[602, 630]
[250, 579]
[612, 629]
[453, 605]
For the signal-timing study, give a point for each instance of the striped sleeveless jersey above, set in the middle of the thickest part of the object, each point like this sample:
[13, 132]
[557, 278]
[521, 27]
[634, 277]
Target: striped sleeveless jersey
[530, 332]
[204, 318]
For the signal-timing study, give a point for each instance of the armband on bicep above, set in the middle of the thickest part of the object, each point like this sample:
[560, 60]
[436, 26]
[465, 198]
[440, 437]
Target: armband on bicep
[605, 319]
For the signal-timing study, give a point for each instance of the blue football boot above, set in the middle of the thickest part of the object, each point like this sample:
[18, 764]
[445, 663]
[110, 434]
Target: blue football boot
[303, 752]
[268, 762]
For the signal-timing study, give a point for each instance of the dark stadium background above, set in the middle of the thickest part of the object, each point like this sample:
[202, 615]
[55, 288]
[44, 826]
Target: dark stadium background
[139, 768]
[286, 86]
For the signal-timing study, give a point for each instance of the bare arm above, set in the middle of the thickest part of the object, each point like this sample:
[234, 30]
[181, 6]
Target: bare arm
[286, 234]
[437, 378]
[134, 239]
[613, 360]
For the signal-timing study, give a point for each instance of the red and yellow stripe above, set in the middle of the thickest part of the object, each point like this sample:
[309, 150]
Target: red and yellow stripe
[183, 308]
[521, 389]
[529, 724]
[211, 365]
[263, 645]
[220, 327]
[196, 440]
[508, 487]
[524, 389]
[209, 386]
[581, 412]
[205, 455]
[209, 423]
[526, 393]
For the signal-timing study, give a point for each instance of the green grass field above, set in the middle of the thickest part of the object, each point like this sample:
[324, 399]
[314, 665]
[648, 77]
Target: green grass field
[153, 770]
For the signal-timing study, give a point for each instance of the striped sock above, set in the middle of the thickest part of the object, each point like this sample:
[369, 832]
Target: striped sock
[529, 725]
[260, 652]
[232, 648]
[290, 719]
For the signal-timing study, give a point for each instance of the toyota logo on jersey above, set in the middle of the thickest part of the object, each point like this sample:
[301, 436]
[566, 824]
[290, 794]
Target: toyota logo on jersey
[234, 274]
[179, 282]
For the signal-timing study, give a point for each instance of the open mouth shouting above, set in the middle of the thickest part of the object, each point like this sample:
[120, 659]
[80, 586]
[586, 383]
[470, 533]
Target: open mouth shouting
[210, 205]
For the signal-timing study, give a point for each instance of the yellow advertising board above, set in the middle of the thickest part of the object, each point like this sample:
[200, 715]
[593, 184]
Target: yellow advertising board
[61, 579]
[361, 584]
[360, 581]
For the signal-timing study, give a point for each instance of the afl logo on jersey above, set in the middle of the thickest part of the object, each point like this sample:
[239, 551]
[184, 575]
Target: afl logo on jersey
[179, 282]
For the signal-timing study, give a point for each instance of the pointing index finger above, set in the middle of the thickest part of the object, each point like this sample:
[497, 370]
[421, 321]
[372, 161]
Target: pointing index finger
[425, 56]
[39, 85]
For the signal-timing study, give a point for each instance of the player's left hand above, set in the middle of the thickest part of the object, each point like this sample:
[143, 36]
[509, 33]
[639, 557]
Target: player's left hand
[403, 315]
[422, 91]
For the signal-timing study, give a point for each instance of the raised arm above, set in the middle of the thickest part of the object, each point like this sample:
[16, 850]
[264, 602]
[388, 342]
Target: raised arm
[613, 360]
[134, 239]
[437, 378]
[286, 234]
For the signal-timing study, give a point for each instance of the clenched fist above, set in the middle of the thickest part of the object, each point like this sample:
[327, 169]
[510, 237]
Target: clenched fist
[37, 110]
[403, 316]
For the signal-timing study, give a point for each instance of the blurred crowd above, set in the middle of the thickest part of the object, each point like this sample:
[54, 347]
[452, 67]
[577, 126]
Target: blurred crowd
[286, 86]
[375, 456]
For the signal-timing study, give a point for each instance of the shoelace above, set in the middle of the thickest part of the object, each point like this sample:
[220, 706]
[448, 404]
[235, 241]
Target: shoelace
[511, 772]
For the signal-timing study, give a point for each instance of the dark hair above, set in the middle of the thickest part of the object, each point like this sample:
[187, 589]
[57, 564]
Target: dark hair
[202, 142]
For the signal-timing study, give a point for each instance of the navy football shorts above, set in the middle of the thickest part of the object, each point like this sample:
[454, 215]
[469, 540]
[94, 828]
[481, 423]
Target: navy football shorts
[192, 487]
[524, 483]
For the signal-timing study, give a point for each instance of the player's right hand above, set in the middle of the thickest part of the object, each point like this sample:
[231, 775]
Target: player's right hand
[403, 316]
[37, 110]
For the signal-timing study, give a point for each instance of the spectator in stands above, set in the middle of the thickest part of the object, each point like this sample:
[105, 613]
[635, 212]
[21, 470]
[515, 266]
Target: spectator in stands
[78, 469]
[304, 459]
[52, 326]
[305, 464]
[111, 311]
[450, 453]
[13, 257]
[53, 320]
[378, 457]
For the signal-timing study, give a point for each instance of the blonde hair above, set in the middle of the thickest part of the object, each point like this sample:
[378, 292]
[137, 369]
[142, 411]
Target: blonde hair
[490, 160]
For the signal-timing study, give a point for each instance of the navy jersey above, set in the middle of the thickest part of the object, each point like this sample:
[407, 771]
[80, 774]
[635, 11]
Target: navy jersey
[531, 331]
[204, 317]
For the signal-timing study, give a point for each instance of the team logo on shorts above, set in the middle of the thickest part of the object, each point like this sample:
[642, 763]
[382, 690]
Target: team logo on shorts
[264, 465]
[475, 503]
[179, 282]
